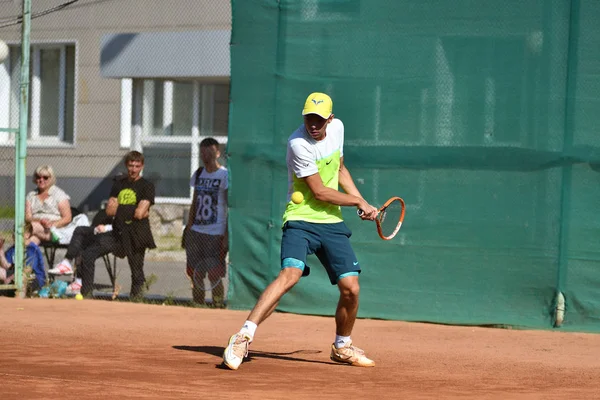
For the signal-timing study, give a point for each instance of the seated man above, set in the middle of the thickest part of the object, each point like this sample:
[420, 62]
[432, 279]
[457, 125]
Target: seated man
[34, 259]
[129, 203]
[83, 236]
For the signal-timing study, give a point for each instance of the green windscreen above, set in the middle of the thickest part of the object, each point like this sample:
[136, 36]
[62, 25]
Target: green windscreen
[483, 116]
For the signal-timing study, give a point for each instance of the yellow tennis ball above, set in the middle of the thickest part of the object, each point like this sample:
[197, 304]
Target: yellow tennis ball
[297, 197]
[78, 296]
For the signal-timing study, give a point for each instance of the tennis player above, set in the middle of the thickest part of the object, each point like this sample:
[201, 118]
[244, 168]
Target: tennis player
[315, 161]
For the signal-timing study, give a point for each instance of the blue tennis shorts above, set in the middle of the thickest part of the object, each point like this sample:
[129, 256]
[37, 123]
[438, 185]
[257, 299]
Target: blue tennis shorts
[329, 242]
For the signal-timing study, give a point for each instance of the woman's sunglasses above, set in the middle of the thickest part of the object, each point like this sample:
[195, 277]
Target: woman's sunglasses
[44, 177]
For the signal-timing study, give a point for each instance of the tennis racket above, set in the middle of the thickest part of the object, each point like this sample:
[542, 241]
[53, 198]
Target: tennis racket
[389, 218]
[200, 281]
[200, 284]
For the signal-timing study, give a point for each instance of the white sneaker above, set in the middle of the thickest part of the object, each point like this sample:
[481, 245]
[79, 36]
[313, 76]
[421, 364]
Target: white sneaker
[350, 354]
[74, 288]
[62, 268]
[236, 350]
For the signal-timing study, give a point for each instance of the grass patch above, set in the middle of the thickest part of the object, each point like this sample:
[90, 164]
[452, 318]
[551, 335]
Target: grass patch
[7, 212]
[168, 242]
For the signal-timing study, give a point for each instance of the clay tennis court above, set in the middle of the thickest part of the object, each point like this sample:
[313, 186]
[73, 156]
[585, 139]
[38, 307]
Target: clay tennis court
[99, 349]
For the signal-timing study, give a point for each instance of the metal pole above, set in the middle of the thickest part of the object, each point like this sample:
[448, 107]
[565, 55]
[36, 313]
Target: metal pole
[21, 151]
[567, 170]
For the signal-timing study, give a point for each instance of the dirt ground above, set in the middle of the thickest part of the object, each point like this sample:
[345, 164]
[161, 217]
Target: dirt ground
[98, 349]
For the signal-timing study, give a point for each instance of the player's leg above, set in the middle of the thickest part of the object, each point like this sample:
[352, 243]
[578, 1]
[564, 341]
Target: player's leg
[197, 276]
[296, 243]
[268, 300]
[343, 268]
[221, 270]
[104, 243]
[81, 238]
[213, 263]
[215, 276]
[347, 308]
[138, 279]
[194, 257]
[298, 240]
[185, 243]
[237, 348]
[39, 233]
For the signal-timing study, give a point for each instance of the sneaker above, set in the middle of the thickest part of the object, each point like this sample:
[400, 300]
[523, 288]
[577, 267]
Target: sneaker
[350, 355]
[236, 350]
[62, 268]
[74, 288]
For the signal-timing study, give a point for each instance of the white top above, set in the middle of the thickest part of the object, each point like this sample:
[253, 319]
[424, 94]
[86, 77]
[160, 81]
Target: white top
[211, 202]
[48, 208]
[304, 152]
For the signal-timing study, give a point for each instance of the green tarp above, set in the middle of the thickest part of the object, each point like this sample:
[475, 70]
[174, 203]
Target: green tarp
[482, 115]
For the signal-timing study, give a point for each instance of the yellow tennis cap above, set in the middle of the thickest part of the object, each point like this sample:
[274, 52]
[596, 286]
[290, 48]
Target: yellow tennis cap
[318, 103]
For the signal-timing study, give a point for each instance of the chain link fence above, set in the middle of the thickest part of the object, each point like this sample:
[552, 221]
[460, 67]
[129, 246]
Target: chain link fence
[108, 77]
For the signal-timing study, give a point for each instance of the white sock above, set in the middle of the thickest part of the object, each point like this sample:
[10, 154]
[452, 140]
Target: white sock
[249, 327]
[341, 341]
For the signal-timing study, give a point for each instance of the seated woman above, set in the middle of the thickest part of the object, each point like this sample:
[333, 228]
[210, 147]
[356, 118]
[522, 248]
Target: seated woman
[48, 209]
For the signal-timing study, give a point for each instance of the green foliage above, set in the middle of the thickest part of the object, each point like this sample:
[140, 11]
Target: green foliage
[169, 300]
[7, 212]
[150, 280]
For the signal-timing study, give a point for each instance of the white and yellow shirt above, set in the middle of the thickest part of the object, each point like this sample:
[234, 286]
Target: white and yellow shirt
[305, 157]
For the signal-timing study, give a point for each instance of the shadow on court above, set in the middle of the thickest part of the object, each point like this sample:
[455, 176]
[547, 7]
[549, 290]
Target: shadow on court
[217, 351]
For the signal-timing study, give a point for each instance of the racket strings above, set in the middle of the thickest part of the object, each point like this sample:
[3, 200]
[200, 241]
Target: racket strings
[199, 281]
[390, 219]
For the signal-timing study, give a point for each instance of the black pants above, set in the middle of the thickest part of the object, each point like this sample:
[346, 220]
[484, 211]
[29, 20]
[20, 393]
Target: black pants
[82, 237]
[105, 243]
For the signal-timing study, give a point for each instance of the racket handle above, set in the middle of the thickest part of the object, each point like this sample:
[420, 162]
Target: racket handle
[359, 212]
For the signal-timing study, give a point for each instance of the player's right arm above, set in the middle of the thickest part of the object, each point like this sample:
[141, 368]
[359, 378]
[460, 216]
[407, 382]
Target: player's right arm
[3, 261]
[28, 212]
[302, 163]
[113, 201]
[347, 184]
[193, 210]
[323, 193]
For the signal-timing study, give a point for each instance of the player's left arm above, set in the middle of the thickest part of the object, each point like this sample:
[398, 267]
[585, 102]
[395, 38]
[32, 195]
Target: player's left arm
[225, 243]
[346, 181]
[113, 200]
[143, 208]
[66, 217]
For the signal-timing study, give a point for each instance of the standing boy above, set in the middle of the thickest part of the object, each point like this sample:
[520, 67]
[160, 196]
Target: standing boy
[205, 235]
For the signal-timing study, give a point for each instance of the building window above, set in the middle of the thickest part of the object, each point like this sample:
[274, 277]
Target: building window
[167, 120]
[51, 94]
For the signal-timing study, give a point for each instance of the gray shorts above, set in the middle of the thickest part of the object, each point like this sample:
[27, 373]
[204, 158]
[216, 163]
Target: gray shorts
[204, 252]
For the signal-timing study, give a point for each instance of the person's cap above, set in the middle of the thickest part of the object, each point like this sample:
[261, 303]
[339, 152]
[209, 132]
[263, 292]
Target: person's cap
[318, 103]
